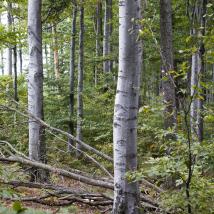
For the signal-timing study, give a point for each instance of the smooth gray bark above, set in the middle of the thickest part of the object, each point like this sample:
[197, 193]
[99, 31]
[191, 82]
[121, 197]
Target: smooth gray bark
[80, 78]
[9, 50]
[168, 84]
[37, 150]
[71, 79]
[15, 72]
[107, 48]
[193, 91]
[2, 56]
[15, 83]
[20, 60]
[126, 195]
[198, 73]
[2, 62]
[201, 74]
[98, 38]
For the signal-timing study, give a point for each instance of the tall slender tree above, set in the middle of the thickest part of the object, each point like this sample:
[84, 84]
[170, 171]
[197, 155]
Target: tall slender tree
[200, 120]
[126, 194]
[198, 69]
[168, 83]
[55, 51]
[2, 54]
[20, 60]
[98, 37]
[72, 72]
[37, 149]
[15, 72]
[9, 50]
[80, 76]
[107, 47]
[15, 81]
[2, 61]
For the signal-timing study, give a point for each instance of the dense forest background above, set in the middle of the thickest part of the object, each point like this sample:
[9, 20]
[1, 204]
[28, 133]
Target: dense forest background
[80, 48]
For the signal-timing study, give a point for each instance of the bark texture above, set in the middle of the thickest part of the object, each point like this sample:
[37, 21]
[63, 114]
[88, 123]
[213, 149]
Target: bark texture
[98, 39]
[168, 84]
[80, 77]
[201, 75]
[20, 60]
[198, 72]
[15, 83]
[126, 195]
[107, 48]
[2, 62]
[2, 55]
[37, 149]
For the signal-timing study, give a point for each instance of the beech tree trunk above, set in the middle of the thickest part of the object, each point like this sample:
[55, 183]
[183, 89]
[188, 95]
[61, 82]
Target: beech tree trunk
[193, 90]
[15, 83]
[98, 38]
[9, 50]
[2, 62]
[197, 75]
[2, 56]
[20, 60]
[107, 64]
[72, 72]
[37, 150]
[126, 194]
[168, 84]
[201, 77]
[80, 78]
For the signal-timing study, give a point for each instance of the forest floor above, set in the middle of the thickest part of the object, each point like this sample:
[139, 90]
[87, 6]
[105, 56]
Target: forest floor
[75, 208]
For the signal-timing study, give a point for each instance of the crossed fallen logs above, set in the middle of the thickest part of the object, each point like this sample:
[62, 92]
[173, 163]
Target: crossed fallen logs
[63, 196]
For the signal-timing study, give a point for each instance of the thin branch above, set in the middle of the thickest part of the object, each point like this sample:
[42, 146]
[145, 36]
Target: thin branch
[84, 145]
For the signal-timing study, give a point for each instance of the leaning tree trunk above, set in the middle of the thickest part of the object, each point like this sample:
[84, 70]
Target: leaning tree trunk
[80, 78]
[71, 79]
[37, 150]
[126, 194]
[168, 83]
[9, 50]
[107, 64]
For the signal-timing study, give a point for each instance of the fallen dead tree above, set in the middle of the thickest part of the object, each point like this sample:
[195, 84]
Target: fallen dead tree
[62, 172]
[69, 195]
[57, 199]
[64, 196]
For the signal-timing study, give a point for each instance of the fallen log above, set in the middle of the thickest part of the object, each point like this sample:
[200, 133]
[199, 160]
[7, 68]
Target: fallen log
[145, 200]
[62, 172]
[61, 189]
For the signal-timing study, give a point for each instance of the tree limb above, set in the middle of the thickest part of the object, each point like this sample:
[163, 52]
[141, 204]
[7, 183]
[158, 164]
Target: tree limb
[62, 172]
